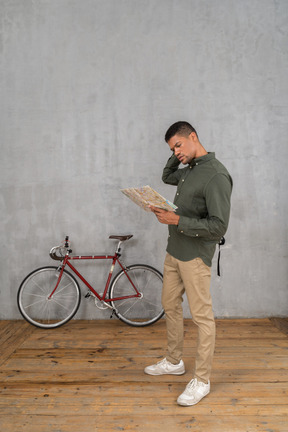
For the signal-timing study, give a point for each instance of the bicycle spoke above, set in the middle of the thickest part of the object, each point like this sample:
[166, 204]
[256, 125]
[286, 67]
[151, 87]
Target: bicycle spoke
[131, 306]
[142, 288]
[64, 287]
[148, 302]
[38, 286]
[60, 304]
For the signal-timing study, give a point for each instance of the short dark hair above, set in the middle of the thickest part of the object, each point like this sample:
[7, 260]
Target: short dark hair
[181, 128]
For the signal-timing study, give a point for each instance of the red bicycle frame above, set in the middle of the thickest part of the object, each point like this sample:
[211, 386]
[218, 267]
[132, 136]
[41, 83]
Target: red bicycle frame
[114, 258]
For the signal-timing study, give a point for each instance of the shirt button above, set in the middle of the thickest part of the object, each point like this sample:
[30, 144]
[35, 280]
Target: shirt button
[197, 235]
[196, 163]
[177, 193]
[182, 180]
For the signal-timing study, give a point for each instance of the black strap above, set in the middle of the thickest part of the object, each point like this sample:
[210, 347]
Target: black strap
[221, 242]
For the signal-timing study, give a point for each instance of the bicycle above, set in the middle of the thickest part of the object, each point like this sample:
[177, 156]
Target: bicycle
[50, 296]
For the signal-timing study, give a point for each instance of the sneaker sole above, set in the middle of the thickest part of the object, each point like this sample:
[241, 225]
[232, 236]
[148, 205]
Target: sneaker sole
[185, 404]
[164, 373]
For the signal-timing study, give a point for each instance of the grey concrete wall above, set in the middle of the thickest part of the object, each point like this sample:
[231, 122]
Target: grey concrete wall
[88, 88]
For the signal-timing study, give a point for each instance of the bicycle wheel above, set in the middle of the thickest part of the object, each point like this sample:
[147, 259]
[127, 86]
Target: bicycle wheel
[138, 311]
[36, 306]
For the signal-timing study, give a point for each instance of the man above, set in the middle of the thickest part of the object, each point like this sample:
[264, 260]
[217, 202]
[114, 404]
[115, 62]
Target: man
[203, 199]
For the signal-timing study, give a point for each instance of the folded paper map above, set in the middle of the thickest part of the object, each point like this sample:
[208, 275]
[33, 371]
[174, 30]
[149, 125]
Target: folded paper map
[146, 196]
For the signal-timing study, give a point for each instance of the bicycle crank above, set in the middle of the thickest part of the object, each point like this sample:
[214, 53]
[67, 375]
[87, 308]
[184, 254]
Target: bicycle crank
[102, 305]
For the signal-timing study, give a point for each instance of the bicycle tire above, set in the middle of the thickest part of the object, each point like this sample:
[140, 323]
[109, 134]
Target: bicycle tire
[143, 311]
[33, 302]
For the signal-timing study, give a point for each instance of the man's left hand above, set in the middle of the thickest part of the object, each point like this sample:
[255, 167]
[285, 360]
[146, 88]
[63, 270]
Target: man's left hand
[165, 217]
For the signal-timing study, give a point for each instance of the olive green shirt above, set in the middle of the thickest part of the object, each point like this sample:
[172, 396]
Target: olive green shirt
[203, 199]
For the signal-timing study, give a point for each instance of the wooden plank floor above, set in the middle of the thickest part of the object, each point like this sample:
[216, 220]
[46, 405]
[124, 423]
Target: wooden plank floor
[87, 376]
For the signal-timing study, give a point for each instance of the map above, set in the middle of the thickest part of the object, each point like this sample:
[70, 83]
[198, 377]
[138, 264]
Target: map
[145, 196]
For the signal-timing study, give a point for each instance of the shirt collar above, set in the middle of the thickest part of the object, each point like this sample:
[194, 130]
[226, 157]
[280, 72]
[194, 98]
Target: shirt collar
[202, 159]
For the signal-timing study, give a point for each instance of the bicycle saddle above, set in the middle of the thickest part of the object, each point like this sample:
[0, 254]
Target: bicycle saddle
[121, 238]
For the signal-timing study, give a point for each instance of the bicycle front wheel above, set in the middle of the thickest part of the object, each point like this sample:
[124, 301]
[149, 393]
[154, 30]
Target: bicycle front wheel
[35, 303]
[137, 311]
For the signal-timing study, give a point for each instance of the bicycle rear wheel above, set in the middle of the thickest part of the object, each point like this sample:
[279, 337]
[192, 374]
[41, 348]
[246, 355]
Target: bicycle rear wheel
[36, 306]
[138, 311]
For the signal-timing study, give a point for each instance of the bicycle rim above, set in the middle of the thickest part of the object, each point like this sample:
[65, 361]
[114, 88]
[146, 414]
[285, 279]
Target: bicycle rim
[138, 311]
[36, 306]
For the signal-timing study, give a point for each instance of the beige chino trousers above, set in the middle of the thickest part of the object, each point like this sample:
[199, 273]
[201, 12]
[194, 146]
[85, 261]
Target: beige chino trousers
[192, 277]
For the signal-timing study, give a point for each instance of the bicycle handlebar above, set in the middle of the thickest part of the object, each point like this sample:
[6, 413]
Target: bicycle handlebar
[58, 252]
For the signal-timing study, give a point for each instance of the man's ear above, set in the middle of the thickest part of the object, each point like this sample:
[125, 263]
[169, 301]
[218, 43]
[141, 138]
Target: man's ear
[193, 137]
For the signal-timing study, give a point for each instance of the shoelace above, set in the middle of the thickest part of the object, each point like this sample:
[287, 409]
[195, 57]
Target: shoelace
[192, 384]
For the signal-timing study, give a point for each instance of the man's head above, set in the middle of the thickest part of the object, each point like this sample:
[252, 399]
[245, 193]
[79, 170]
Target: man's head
[183, 141]
[181, 128]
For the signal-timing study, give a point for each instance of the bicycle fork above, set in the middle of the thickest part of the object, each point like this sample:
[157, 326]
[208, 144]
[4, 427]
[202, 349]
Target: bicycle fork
[60, 269]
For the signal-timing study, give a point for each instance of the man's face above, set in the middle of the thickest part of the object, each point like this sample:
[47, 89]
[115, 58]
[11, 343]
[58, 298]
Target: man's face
[184, 148]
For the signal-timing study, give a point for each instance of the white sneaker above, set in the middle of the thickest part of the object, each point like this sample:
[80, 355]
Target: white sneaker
[164, 367]
[194, 392]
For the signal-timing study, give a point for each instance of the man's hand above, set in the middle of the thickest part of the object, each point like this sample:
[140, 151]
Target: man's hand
[165, 217]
